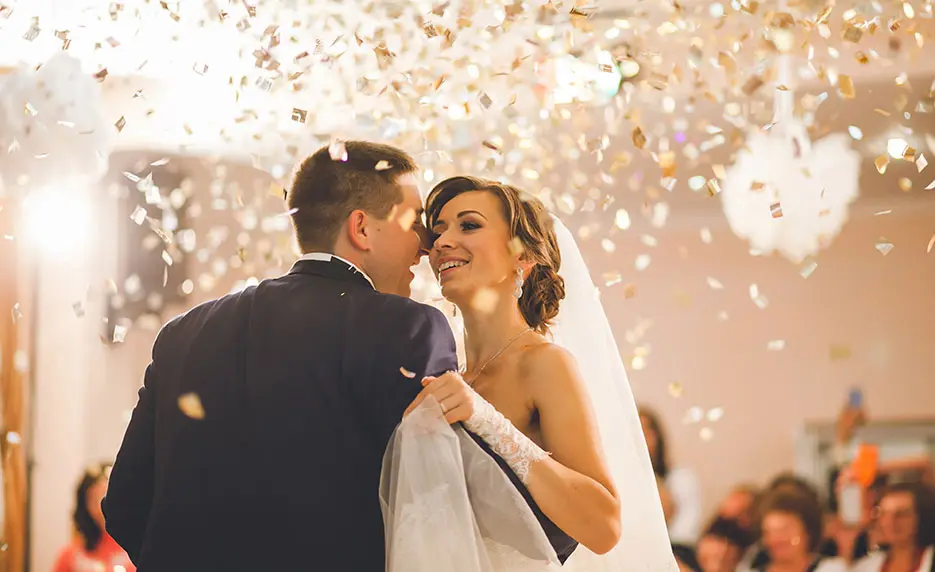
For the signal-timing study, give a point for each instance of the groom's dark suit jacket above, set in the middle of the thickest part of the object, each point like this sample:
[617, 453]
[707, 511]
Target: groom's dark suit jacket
[302, 380]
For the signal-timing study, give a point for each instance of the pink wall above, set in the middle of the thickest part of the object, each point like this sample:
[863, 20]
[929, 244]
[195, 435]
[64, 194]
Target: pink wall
[880, 307]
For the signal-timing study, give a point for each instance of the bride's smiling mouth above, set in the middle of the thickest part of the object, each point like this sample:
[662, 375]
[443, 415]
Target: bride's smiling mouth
[448, 265]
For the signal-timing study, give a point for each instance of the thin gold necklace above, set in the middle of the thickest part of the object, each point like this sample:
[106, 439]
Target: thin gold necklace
[473, 379]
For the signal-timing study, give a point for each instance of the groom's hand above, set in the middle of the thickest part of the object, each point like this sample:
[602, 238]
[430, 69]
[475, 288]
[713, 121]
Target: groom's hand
[451, 392]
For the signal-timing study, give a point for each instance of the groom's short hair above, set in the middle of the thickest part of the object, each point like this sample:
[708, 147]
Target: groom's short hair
[339, 179]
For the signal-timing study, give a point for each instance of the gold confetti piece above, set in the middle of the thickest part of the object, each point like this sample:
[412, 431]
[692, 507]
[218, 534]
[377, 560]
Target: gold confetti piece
[706, 235]
[931, 244]
[121, 123]
[884, 246]
[706, 433]
[775, 210]
[485, 301]
[78, 308]
[715, 414]
[675, 389]
[101, 75]
[299, 116]
[406, 373]
[382, 165]
[337, 150]
[852, 33]
[639, 139]
[515, 246]
[120, 333]
[757, 186]
[642, 262]
[882, 213]
[905, 184]
[622, 219]
[846, 86]
[714, 283]
[921, 162]
[839, 352]
[713, 186]
[930, 186]
[17, 313]
[881, 163]
[611, 278]
[190, 405]
[909, 11]
[855, 132]
[167, 258]
[629, 290]
[139, 215]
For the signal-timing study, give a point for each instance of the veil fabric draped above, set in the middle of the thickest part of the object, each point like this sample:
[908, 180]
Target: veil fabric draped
[448, 506]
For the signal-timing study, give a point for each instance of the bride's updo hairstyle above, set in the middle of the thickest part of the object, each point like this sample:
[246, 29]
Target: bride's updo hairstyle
[531, 223]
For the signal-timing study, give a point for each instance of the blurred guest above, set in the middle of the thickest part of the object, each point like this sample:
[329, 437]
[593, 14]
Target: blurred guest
[905, 520]
[722, 545]
[757, 556]
[791, 527]
[93, 550]
[681, 483]
[740, 506]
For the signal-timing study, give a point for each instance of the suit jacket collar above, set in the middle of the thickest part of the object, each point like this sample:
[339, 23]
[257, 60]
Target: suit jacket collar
[330, 266]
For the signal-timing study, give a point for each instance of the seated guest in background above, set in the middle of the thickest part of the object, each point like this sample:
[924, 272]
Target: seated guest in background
[791, 528]
[722, 545]
[681, 482]
[905, 520]
[93, 549]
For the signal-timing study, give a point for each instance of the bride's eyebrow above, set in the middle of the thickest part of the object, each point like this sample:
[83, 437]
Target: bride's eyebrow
[462, 214]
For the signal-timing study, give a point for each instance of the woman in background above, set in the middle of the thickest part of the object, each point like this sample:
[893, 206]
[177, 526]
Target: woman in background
[905, 520]
[93, 549]
[681, 484]
[791, 527]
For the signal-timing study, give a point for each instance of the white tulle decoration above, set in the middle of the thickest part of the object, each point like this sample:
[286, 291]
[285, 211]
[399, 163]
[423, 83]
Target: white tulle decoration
[53, 127]
[785, 194]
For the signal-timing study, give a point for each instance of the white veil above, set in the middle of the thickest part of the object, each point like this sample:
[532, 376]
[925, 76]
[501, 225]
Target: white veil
[448, 506]
[582, 328]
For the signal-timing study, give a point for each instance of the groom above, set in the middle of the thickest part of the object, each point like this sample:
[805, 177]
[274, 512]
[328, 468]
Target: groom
[302, 379]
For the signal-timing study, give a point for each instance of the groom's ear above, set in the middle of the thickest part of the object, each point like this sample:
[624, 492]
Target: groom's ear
[358, 230]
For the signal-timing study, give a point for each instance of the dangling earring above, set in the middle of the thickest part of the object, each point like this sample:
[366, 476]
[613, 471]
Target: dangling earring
[518, 291]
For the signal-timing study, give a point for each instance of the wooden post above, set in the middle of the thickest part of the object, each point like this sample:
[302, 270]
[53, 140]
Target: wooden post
[12, 398]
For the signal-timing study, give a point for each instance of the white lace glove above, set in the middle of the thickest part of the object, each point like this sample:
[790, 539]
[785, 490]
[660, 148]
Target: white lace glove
[518, 450]
[459, 402]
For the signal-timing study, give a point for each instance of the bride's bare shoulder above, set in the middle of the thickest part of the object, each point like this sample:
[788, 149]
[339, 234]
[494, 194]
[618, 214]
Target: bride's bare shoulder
[548, 366]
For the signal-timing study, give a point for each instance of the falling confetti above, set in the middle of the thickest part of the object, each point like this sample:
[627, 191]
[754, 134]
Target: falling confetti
[714, 283]
[884, 246]
[120, 334]
[931, 244]
[407, 373]
[808, 267]
[676, 389]
[190, 405]
[839, 352]
[776, 345]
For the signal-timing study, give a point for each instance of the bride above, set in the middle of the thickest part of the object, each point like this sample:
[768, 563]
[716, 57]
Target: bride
[536, 446]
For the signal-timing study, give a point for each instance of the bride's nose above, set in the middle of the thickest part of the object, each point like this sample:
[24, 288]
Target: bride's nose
[443, 241]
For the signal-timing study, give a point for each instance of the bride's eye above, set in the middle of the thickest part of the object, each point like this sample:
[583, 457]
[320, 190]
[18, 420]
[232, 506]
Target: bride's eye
[469, 225]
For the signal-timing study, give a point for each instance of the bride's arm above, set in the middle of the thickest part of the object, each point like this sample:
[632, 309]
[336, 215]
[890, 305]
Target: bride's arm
[573, 486]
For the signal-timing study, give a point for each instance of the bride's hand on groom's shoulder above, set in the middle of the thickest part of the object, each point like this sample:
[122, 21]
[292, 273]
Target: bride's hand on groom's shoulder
[452, 393]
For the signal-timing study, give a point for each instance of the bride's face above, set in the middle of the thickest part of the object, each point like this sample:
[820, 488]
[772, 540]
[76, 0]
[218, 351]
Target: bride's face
[471, 248]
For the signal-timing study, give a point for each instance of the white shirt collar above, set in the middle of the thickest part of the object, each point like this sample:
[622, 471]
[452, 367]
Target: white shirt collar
[327, 257]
